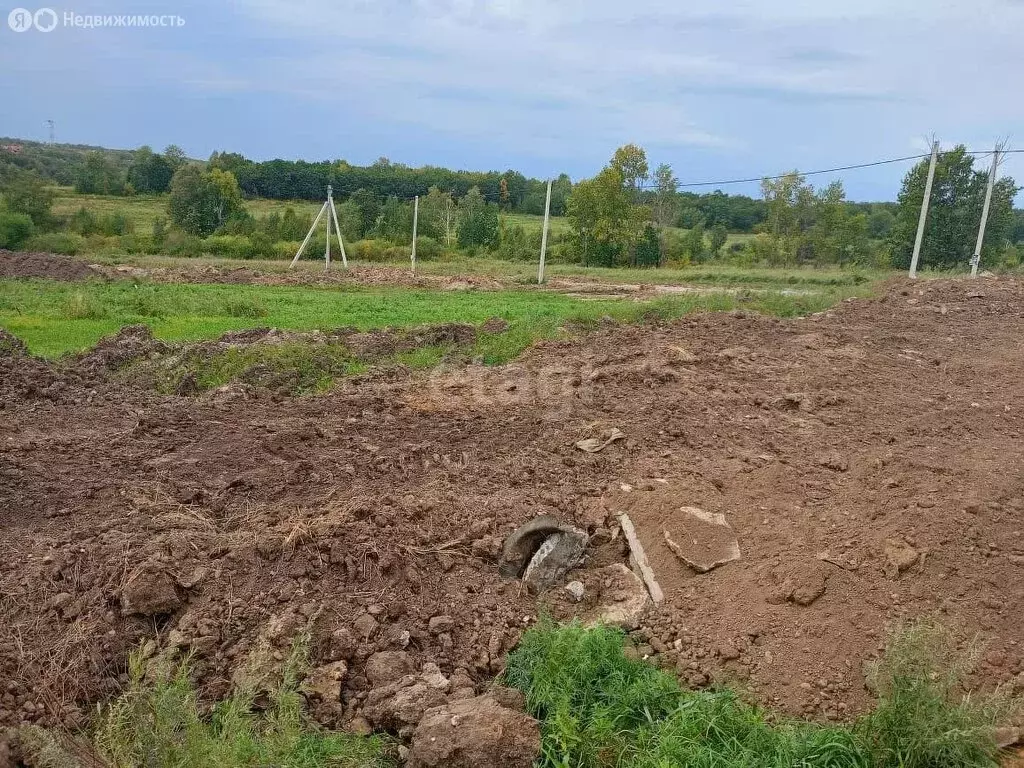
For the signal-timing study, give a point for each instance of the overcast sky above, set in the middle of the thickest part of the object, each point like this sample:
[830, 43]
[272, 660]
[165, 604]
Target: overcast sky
[717, 89]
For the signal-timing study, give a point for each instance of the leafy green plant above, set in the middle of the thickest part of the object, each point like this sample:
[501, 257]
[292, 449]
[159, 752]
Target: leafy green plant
[65, 243]
[159, 721]
[924, 718]
[15, 229]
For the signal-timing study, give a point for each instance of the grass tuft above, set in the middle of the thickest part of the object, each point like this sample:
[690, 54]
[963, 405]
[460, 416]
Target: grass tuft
[159, 721]
[599, 708]
[924, 719]
[82, 306]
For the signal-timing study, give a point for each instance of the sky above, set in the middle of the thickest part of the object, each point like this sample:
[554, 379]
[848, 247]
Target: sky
[719, 90]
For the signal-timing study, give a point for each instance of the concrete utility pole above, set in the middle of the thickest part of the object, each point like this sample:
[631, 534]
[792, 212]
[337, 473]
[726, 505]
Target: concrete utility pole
[544, 236]
[415, 221]
[924, 210]
[976, 260]
[327, 252]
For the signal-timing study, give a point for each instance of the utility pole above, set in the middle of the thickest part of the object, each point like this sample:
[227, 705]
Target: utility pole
[327, 253]
[415, 221]
[976, 260]
[544, 236]
[924, 209]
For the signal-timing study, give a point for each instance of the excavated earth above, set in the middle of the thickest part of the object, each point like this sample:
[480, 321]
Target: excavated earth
[868, 460]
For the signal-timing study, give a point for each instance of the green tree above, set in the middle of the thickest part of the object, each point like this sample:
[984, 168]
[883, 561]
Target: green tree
[665, 208]
[99, 176]
[26, 193]
[176, 157]
[694, 242]
[294, 227]
[719, 236]
[369, 209]
[631, 161]
[149, 172]
[1017, 229]
[395, 220]
[606, 224]
[880, 223]
[200, 202]
[954, 213]
[15, 228]
[478, 221]
[439, 216]
[226, 194]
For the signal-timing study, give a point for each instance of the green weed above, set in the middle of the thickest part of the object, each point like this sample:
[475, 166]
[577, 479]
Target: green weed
[80, 306]
[923, 718]
[599, 708]
[295, 367]
[159, 721]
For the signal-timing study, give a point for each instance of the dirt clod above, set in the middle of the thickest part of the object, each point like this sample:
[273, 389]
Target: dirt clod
[150, 591]
[475, 732]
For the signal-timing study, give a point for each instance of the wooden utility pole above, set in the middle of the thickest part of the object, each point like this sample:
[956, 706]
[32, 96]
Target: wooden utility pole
[924, 210]
[976, 260]
[415, 221]
[544, 236]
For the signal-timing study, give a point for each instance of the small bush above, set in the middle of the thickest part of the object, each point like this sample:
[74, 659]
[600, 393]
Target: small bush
[177, 243]
[15, 229]
[138, 243]
[367, 250]
[80, 306]
[285, 249]
[261, 246]
[160, 722]
[83, 222]
[146, 301]
[244, 308]
[231, 246]
[115, 224]
[428, 249]
[66, 243]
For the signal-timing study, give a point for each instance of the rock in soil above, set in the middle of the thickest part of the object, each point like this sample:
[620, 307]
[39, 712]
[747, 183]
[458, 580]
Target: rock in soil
[474, 733]
[702, 540]
[623, 599]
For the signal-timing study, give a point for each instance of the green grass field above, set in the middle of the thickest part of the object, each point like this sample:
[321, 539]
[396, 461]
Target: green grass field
[56, 317]
[143, 210]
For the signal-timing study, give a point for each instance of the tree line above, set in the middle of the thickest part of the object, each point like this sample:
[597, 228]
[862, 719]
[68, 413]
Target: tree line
[626, 215]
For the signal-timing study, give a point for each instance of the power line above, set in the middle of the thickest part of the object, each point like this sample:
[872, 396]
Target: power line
[755, 179]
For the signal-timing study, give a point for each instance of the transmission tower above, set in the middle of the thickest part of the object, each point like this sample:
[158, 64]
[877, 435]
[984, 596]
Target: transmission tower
[53, 131]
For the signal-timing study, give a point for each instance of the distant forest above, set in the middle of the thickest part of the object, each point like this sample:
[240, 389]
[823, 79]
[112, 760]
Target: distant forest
[115, 171]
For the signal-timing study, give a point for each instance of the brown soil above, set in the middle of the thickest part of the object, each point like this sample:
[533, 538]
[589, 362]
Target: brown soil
[838, 447]
[18, 264]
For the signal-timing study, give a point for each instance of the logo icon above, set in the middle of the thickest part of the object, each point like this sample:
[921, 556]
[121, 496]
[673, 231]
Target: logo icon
[20, 20]
[45, 19]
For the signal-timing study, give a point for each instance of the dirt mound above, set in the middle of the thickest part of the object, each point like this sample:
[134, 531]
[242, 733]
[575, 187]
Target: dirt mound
[306, 274]
[49, 265]
[867, 460]
[112, 353]
[370, 345]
